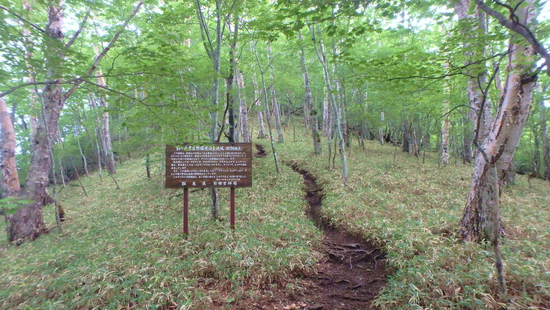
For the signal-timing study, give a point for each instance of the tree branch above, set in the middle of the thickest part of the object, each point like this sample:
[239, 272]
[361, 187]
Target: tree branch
[105, 50]
[132, 98]
[11, 90]
[21, 18]
[518, 28]
[73, 39]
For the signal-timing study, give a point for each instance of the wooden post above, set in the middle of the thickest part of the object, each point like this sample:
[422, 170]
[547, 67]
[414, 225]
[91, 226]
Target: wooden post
[186, 211]
[232, 212]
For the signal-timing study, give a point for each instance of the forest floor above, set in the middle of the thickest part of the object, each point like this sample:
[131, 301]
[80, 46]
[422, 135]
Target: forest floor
[303, 240]
[350, 275]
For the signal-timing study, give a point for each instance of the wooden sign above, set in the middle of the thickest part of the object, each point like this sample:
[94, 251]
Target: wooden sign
[216, 165]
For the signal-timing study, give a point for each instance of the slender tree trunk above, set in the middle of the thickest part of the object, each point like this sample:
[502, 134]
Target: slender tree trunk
[536, 151]
[311, 117]
[476, 28]
[231, 78]
[445, 125]
[10, 178]
[105, 131]
[274, 104]
[322, 56]
[467, 137]
[544, 133]
[262, 73]
[326, 116]
[243, 109]
[258, 103]
[405, 135]
[380, 130]
[213, 49]
[98, 136]
[84, 161]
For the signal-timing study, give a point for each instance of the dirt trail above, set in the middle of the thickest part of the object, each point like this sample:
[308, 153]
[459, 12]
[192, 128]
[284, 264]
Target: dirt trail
[349, 277]
[352, 273]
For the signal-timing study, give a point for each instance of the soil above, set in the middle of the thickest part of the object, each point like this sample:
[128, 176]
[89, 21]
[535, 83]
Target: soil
[350, 276]
[261, 151]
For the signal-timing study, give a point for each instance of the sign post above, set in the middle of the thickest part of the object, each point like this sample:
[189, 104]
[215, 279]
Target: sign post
[186, 211]
[208, 166]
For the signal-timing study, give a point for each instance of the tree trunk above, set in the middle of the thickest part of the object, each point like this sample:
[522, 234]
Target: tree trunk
[10, 179]
[262, 73]
[405, 135]
[311, 118]
[467, 139]
[322, 56]
[231, 79]
[105, 131]
[476, 27]
[500, 145]
[445, 125]
[28, 223]
[213, 49]
[243, 109]
[258, 103]
[544, 133]
[274, 104]
[326, 116]
[84, 161]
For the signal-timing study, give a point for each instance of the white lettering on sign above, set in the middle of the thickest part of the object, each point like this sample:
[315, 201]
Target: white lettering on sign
[221, 164]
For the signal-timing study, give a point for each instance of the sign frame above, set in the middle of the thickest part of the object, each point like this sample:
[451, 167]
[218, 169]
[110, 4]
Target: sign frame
[208, 166]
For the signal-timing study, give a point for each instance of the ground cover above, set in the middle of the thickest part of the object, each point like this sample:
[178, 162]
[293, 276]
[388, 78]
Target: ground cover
[410, 207]
[124, 249]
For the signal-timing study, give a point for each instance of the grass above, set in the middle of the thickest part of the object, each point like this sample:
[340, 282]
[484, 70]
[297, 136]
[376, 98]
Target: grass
[124, 248]
[412, 209]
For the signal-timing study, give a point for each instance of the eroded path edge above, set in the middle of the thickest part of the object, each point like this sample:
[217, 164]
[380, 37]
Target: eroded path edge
[353, 271]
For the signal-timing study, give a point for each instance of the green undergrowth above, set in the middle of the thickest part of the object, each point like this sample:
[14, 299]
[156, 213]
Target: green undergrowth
[125, 248]
[411, 207]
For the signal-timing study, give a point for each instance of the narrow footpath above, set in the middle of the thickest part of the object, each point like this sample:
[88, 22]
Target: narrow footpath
[353, 271]
[350, 275]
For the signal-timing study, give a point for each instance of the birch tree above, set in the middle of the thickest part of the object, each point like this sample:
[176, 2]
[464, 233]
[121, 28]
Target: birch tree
[28, 223]
[310, 111]
[213, 50]
[320, 51]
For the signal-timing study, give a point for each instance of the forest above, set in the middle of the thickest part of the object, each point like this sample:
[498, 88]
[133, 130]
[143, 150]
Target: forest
[417, 129]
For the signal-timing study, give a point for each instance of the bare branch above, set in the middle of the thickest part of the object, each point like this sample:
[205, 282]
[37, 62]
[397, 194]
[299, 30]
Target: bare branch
[21, 18]
[73, 39]
[11, 90]
[105, 50]
[518, 28]
[133, 99]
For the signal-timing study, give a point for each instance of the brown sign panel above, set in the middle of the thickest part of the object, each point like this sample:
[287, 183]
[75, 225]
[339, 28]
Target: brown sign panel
[215, 165]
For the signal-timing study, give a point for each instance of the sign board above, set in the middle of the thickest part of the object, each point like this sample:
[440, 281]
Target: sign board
[216, 165]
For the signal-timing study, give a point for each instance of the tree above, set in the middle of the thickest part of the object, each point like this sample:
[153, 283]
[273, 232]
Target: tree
[473, 29]
[499, 148]
[320, 50]
[27, 223]
[481, 219]
[10, 177]
[309, 109]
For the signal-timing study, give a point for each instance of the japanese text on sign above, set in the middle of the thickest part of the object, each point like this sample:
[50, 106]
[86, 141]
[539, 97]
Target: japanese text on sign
[217, 165]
